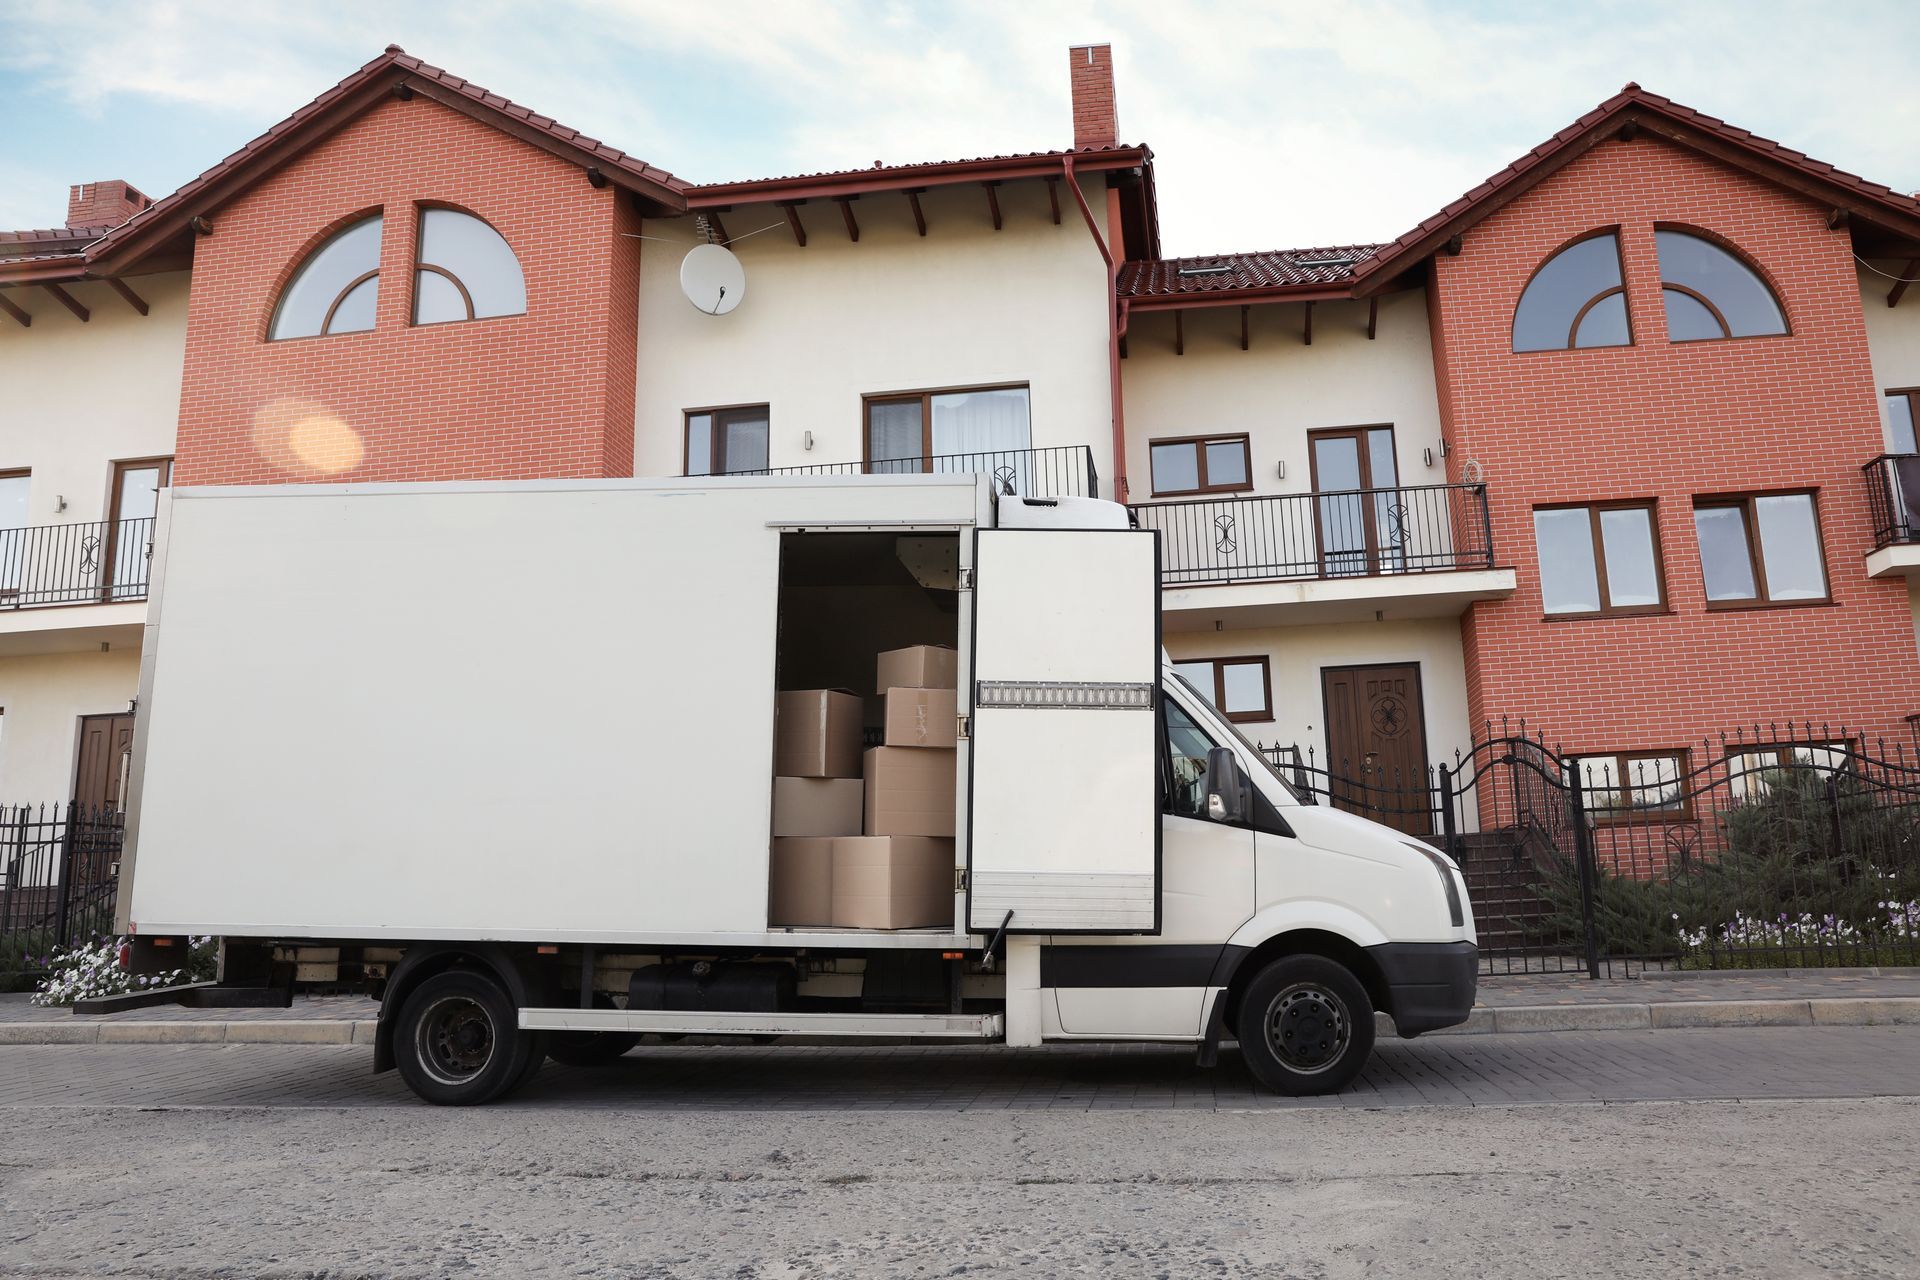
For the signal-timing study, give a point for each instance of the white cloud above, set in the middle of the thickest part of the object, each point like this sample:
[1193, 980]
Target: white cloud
[1274, 124]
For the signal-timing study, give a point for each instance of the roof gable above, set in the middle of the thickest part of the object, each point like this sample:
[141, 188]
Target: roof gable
[1624, 115]
[159, 228]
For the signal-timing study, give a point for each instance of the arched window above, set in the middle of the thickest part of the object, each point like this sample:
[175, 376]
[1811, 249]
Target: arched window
[336, 288]
[1710, 293]
[466, 271]
[1575, 299]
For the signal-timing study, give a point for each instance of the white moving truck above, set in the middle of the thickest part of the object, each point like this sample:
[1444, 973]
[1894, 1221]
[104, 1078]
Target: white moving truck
[506, 752]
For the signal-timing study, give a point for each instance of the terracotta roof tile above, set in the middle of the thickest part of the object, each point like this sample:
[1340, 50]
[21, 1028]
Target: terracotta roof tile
[828, 175]
[1234, 272]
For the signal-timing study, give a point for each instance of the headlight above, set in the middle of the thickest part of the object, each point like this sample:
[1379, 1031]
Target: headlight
[1456, 916]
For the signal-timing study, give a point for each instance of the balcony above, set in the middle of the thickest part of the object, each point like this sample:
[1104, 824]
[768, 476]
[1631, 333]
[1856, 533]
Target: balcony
[1326, 557]
[73, 586]
[1893, 503]
[1061, 472]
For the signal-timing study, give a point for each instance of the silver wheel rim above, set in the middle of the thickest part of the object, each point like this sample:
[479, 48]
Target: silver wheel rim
[1308, 1028]
[454, 1040]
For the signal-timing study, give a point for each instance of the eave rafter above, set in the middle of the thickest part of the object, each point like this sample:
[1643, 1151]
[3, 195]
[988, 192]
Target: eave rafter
[793, 220]
[67, 300]
[7, 305]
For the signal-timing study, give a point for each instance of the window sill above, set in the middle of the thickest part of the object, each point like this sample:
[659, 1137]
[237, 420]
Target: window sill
[1744, 606]
[1613, 615]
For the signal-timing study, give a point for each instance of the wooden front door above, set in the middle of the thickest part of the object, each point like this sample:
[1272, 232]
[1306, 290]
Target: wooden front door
[1377, 745]
[105, 745]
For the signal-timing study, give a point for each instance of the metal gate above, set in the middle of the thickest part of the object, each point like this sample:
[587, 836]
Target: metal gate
[1774, 846]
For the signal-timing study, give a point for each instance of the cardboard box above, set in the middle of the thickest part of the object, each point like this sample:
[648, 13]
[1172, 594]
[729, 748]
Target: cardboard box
[816, 734]
[921, 717]
[800, 888]
[892, 882]
[818, 806]
[909, 791]
[921, 666]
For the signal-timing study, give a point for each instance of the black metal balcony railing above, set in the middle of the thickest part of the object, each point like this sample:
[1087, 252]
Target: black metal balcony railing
[100, 562]
[1322, 535]
[1064, 471]
[1893, 498]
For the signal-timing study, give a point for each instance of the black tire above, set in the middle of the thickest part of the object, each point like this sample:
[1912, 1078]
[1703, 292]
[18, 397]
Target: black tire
[1305, 1026]
[591, 1048]
[457, 1042]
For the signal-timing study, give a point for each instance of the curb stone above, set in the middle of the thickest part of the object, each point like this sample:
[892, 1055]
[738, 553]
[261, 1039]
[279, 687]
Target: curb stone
[1850, 1011]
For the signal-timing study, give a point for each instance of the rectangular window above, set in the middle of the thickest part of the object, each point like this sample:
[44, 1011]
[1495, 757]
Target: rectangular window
[1240, 688]
[1599, 559]
[13, 537]
[1358, 533]
[978, 429]
[723, 442]
[1751, 771]
[1620, 786]
[134, 502]
[1763, 549]
[1903, 415]
[1200, 464]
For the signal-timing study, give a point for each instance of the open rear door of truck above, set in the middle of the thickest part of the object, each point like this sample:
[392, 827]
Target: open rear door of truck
[1064, 822]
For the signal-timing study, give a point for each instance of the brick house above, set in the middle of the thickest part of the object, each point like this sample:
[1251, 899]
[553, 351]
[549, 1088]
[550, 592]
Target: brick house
[1406, 488]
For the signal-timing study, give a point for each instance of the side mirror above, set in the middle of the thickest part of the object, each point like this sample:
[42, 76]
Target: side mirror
[1227, 787]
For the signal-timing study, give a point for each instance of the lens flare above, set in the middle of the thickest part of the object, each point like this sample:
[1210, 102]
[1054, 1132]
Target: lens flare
[304, 438]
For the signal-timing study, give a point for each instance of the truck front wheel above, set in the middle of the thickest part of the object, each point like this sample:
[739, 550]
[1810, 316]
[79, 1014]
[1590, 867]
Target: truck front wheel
[457, 1041]
[1305, 1025]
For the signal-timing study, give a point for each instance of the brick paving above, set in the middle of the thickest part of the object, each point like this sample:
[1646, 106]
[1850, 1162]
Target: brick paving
[1552, 1067]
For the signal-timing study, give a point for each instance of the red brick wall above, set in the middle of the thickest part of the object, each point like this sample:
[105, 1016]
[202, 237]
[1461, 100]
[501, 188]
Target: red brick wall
[544, 394]
[1669, 421]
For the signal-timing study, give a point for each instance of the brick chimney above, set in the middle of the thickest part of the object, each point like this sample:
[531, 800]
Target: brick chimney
[1096, 120]
[94, 204]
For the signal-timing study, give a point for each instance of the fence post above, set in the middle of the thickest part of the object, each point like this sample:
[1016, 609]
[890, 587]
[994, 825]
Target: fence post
[1833, 814]
[1446, 811]
[63, 926]
[1583, 856]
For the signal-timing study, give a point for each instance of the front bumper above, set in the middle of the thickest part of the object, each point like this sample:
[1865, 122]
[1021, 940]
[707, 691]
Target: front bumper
[1429, 984]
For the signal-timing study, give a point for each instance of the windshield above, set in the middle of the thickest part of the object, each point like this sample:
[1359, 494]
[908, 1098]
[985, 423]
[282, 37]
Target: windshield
[1218, 724]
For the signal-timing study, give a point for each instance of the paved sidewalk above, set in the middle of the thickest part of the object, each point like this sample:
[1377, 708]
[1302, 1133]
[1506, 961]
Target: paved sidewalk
[1506, 1004]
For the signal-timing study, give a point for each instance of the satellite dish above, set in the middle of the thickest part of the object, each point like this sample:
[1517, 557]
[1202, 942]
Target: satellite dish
[713, 279]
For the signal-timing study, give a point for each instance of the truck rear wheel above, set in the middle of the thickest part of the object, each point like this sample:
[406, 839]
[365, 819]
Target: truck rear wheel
[457, 1041]
[1305, 1025]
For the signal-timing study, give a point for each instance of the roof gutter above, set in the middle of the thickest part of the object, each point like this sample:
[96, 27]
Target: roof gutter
[1114, 331]
[1240, 297]
[901, 177]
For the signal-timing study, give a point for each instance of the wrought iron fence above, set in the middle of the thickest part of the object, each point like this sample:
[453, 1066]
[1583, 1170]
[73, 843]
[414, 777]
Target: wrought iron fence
[1063, 471]
[1346, 534]
[59, 868]
[97, 562]
[1893, 498]
[1771, 846]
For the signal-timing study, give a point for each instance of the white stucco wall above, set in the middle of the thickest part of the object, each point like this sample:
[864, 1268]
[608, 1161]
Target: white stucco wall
[822, 325]
[75, 398]
[1280, 388]
[1893, 340]
[42, 697]
[1297, 655]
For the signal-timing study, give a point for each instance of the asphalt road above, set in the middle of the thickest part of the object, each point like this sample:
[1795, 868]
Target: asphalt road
[252, 1161]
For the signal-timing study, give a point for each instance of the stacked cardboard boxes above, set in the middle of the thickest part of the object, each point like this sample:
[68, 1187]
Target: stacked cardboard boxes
[886, 863]
[817, 795]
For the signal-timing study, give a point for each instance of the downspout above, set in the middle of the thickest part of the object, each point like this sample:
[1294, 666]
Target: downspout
[1115, 329]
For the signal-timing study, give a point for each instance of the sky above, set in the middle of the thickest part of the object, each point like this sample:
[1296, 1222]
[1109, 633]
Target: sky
[1273, 125]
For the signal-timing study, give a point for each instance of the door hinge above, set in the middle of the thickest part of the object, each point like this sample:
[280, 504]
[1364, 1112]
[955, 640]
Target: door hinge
[963, 727]
[966, 579]
[959, 879]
